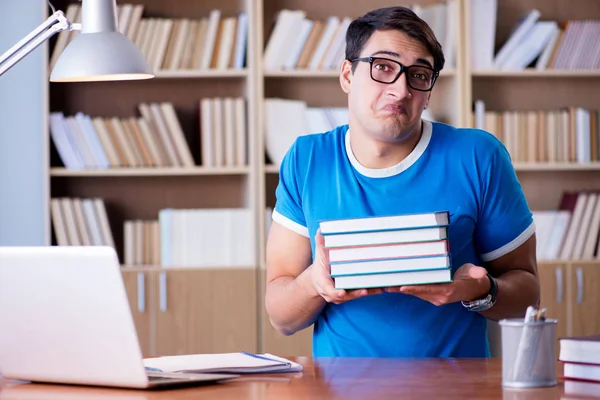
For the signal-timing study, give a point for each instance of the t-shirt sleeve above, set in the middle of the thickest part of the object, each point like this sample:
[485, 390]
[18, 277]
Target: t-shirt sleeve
[288, 206]
[505, 220]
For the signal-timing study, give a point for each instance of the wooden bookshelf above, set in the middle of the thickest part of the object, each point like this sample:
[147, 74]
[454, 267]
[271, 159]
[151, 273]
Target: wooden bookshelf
[140, 192]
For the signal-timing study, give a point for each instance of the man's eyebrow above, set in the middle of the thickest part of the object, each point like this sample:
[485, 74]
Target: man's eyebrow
[422, 61]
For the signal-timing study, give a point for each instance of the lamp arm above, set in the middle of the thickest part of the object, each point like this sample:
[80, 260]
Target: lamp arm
[55, 23]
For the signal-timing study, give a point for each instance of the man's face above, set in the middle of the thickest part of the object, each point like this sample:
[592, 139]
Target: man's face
[386, 112]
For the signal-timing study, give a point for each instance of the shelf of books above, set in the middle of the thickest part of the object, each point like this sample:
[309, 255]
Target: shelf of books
[159, 164]
[550, 129]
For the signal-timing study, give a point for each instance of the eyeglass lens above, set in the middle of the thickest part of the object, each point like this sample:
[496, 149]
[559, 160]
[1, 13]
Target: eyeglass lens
[385, 71]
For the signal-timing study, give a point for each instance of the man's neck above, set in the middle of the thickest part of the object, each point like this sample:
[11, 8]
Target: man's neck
[374, 154]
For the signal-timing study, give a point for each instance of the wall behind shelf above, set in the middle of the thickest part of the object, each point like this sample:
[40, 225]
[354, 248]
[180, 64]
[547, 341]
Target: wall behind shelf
[23, 155]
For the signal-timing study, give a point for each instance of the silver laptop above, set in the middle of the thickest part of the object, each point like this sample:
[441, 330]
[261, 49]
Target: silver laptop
[65, 318]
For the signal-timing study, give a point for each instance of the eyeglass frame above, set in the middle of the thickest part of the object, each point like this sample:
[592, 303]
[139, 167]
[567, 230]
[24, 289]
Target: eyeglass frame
[403, 68]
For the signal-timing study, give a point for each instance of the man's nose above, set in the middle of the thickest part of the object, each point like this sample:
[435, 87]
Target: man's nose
[400, 88]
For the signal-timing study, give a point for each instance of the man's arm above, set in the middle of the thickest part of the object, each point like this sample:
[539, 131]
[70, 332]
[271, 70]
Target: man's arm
[518, 282]
[297, 291]
[515, 272]
[290, 299]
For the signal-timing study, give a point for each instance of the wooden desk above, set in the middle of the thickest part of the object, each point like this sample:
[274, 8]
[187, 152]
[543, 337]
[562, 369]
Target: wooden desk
[329, 379]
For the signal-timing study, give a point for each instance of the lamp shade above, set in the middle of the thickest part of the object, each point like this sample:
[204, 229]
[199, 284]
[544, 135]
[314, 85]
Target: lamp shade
[101, 56]
[100, 52]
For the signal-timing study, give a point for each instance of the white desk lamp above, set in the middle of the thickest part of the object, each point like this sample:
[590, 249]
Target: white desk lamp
[99, 53]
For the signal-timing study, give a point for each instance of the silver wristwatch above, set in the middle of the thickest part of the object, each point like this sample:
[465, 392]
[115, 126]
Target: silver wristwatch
[486, 302]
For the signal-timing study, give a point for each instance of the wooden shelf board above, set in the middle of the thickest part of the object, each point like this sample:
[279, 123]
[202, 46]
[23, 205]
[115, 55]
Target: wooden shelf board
[306, 73]
[210, 73]
[594, 166]
[158, 171]
[530, 73]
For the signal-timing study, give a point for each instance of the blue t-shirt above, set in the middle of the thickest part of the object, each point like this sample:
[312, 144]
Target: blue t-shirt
[467, 172]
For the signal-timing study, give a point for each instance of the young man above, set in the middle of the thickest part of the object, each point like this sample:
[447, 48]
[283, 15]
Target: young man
[388, 161]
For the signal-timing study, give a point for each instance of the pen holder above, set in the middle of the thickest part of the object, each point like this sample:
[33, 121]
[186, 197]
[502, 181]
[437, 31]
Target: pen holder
[528, 353]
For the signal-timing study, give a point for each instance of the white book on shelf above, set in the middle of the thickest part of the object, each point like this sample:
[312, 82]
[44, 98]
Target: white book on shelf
[165, 224]
[544, 223]
[68, 153]
[531, 46]
[229, 131]
[582, 133]
[134, 22]
[556, 239]
[152, 114]
[210, 37]
[276, 43]
[80, 221]
[128, 243]
[240, 131]
[376, 223]
[97, 147]
[383, 251]
[141, 36]
[584, 227]
[521, 29]
[173, 126]
[179, 43]
[297, 44]
[389, 265]
[93, 223]
[206, 132]
[152, 142]
[69, 216]
[83, 146]
[124, 15]
[59, 222]
[569, 242]
[393, 279]
[107, 142]
[123, 142]
[331, 26]
[241, 40]
[218, 148]
[593, 233]
[544, 58]
[165, 27]
[100, 208]
[154, 36]
[226, 42]
[338, 40]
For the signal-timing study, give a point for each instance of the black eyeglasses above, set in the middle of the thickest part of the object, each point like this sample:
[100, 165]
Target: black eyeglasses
[388, 71]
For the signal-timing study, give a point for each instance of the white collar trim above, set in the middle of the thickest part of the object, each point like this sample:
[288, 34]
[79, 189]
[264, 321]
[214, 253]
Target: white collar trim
[394, 169]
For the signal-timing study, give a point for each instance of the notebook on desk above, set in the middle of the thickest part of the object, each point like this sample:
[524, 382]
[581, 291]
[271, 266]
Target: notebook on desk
[237, 363]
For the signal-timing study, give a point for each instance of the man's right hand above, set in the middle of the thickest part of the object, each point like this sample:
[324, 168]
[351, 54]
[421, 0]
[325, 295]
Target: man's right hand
[322, 281]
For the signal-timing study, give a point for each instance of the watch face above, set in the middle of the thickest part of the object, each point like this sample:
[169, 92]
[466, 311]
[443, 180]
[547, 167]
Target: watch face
[479, 305]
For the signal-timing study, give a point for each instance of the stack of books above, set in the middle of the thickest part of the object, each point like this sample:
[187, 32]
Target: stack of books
[581, 359]
[385, 251]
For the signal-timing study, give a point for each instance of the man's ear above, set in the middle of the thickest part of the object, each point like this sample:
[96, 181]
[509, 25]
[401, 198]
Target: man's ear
[346, 76]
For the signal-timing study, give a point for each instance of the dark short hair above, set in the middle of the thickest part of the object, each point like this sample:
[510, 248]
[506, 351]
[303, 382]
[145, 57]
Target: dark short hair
[392, 18]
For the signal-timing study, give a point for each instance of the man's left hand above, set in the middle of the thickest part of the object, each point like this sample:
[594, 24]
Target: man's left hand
[468, 283]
